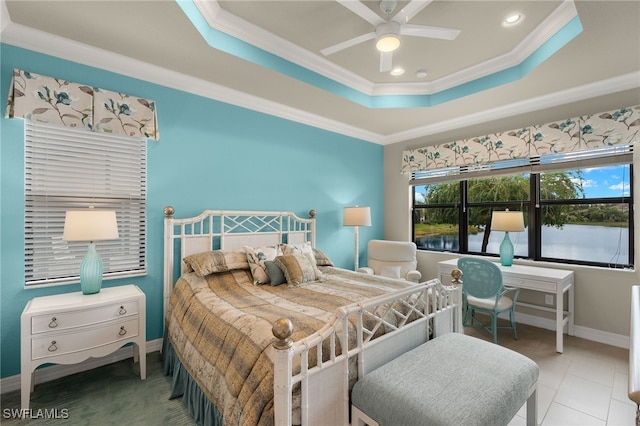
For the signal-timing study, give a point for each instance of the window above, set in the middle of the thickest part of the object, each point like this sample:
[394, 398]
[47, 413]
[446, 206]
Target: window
[581, 216]
[67, 168]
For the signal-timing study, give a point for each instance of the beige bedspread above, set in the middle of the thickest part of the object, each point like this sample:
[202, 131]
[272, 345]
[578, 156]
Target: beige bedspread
[220, 328]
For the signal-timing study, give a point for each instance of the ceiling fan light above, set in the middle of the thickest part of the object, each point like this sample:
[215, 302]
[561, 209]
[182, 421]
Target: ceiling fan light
[387, 36]
[387, 43]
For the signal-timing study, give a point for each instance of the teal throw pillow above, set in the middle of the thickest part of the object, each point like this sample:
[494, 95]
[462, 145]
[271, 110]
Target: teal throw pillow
[276, 276]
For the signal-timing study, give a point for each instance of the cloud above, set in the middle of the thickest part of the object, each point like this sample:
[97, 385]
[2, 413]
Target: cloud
[622, 186]
[586, 183]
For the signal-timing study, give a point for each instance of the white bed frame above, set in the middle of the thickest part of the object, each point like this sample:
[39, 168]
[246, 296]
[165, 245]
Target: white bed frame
[325, 386]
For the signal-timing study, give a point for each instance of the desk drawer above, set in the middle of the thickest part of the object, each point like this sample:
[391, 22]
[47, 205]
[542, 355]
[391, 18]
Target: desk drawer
[84, 317]
[87, 338]
[530, 284]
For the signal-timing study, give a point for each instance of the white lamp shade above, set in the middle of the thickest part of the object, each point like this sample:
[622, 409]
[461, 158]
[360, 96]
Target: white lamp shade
[90, 225]
[507, 221]
[357, 216]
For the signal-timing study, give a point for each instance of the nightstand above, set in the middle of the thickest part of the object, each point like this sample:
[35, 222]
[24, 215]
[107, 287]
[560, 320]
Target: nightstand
[70, 328]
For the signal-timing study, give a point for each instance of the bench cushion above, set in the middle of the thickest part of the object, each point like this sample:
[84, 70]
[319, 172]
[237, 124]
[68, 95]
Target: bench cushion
[453, 379]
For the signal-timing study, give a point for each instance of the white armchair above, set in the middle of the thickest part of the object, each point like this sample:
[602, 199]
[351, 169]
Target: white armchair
[393, 259]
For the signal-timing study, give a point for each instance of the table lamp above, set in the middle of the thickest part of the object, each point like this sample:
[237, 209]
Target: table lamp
[508, 222]
[90, 225]
[356, 216]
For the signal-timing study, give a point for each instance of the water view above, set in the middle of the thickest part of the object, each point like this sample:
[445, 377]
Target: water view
[576, 242]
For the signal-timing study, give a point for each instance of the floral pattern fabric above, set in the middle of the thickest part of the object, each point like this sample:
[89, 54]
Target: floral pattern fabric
[620, 127]
[60, 102]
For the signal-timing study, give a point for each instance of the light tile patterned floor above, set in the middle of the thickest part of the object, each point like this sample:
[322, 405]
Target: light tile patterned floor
[585, 385]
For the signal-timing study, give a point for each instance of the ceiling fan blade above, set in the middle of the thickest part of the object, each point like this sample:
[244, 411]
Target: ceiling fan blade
[411, 10]
[427, 31]
[345, 44]
[362, 11]
[386, 61]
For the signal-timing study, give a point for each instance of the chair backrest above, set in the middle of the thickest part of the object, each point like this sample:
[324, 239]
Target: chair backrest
[481, 278]
[384, 253]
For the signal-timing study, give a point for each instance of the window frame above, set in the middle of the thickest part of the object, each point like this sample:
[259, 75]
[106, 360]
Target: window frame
[534, 219]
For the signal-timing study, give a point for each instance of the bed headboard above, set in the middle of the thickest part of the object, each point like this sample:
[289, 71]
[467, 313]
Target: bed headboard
[227, 230]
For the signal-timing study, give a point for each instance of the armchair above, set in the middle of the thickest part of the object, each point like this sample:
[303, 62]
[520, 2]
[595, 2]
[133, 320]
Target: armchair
[393, 259]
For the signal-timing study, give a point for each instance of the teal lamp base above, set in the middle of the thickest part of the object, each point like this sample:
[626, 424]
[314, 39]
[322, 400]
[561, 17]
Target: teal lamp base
[91, 271]
[506, 251]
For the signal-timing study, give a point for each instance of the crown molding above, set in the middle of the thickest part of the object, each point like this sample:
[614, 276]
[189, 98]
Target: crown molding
[551, 26]
[575, 94]
[4, 16]
[60, 47]
[228, 23]
[49, 44]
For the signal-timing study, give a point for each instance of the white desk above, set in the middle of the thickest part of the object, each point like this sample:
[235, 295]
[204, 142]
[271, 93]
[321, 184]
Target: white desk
[546, 280]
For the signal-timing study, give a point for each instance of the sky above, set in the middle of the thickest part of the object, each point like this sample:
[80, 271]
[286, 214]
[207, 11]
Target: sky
[609, 181]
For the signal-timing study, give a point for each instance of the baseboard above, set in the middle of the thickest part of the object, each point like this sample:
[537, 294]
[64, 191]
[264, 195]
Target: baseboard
[53, 372]
[599, 336]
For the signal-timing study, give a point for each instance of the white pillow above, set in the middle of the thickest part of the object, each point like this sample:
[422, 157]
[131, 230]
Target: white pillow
[389, 271]
[256, 257]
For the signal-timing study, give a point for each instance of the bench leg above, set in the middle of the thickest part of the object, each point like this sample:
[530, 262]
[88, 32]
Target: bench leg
[532, 409]
[358, 418]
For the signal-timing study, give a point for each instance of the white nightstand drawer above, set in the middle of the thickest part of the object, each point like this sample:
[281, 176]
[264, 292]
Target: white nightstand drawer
[80, 318]
[87, 338]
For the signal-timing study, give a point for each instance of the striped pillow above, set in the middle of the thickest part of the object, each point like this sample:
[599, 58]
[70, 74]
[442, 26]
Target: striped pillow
[298, 268]
[210, 262]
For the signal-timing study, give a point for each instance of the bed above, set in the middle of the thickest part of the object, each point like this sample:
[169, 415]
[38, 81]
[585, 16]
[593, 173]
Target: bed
[245, 352]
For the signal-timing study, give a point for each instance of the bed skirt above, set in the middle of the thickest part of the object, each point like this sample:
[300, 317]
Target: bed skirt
[201, 409]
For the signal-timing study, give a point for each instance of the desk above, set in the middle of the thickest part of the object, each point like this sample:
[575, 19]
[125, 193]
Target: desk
[546, 280]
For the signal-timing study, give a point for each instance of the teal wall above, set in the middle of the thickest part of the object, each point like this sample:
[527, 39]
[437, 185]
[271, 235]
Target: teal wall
[210, 155]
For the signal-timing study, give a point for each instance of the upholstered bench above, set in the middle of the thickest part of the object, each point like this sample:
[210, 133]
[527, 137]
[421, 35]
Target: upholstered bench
[453, 379]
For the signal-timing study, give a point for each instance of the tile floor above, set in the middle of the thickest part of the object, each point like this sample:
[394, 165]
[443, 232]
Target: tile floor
[585, 385]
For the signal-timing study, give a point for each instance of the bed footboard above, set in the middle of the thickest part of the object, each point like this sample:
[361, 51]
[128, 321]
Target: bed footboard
[374, 332]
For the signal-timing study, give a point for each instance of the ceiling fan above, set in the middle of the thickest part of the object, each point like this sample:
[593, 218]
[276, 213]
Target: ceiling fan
[389, 29]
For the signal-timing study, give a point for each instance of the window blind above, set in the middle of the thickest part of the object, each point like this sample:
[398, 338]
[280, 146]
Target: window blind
[550, 162]
[67, 168]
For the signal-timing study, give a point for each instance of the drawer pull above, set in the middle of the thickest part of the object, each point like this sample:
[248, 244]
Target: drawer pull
[122, 310]
[53, 323]
[122, 331]
[53, 347]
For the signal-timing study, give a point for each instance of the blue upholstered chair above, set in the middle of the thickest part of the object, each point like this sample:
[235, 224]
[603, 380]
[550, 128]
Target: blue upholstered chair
[483, 291]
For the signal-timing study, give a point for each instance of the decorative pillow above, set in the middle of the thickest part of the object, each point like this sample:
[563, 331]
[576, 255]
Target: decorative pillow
[390, 271]
[304, 248]
[210, 262]
[276, 276]
[321, 258]
[301, 248]
[298, 268]
[256, 257]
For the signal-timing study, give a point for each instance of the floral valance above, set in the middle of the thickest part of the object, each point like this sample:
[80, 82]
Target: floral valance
[51, 100]
[613, 128]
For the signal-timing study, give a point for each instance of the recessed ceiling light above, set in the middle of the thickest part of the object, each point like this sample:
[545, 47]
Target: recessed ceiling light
[421, 73]
[512, 19]
[397, 71]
